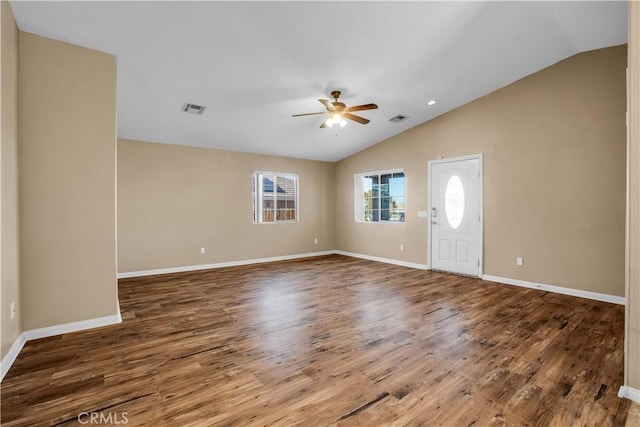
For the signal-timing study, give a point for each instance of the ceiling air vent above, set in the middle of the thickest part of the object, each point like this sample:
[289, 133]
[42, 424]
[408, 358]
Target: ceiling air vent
[399, 118]
[193, 108]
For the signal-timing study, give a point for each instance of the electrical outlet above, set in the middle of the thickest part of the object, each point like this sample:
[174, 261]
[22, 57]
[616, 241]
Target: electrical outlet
[13, 310]
[315, 241]
[201, 251]
[401, 248]
[519, 261]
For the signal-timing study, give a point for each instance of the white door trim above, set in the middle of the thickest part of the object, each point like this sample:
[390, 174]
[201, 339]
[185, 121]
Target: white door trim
[480, 208]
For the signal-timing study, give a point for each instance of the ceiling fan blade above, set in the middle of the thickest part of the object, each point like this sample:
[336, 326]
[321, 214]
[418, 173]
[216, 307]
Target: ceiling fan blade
[362, 107]
[355, 118]
[326, 103]
[308, 114]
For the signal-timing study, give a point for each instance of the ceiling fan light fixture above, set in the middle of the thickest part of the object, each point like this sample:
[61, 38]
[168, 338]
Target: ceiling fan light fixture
[339, 113]
[339, 120]
[336, 119]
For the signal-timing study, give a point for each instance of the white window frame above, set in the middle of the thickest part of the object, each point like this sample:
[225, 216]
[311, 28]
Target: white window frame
[258, 199]
[357, 191]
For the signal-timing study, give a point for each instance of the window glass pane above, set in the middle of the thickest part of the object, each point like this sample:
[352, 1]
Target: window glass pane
[368, 208]
[365, 192]
[397, 186]
[396, 192]
[454, 202]
[397, 209]
[267, 185]
[374, 185]
[286, 194]
[254, 198]
[267, 208]
[367, 182]
[385, 203]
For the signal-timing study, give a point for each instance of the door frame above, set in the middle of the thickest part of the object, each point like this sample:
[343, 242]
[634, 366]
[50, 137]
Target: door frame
[478, 157]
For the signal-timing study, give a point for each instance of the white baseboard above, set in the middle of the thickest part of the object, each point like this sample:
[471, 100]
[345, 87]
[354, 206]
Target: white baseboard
[50, 331]
[557, 289]
[66, 328]
[629, 393]
[12, 355]
[168, 270]
[385, 260]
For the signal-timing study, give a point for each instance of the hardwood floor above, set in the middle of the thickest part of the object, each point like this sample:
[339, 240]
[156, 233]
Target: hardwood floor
[328, 341]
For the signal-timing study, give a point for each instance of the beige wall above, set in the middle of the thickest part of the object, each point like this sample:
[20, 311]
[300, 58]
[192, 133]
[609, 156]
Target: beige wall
[632, 336]
[554, 176]
[67, 125]
[173, 200]
[9, 111]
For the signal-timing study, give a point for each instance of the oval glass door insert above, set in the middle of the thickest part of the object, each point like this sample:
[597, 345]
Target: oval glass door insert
[454, 202]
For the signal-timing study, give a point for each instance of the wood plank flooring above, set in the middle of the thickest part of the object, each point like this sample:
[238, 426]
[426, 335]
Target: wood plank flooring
[328, 341]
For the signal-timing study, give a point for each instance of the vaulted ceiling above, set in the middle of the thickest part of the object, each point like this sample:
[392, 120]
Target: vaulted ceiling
[254, 64]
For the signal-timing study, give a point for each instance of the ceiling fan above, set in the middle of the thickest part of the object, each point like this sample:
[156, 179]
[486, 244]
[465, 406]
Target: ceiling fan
[339, 112]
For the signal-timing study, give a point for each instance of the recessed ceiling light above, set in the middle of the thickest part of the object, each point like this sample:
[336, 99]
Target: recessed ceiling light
[432, 102]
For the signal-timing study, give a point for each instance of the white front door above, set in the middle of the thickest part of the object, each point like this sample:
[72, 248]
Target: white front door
[455, 194]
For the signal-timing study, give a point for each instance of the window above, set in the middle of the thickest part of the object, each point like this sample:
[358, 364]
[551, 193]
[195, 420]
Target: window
[380, 196]
[275, 197]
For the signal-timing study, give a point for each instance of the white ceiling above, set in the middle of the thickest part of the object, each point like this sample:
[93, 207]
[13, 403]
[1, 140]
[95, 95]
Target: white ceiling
[253, 64]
